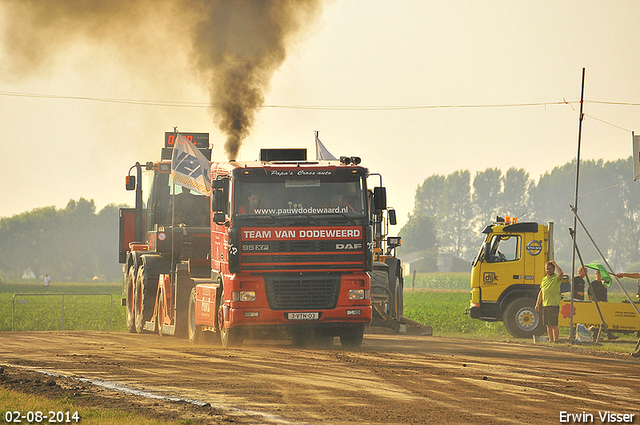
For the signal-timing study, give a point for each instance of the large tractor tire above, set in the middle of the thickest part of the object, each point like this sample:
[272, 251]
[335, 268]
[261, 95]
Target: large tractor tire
[145, 299]
[521, 318]
[380, 282]
[130, 303]
[380, 291]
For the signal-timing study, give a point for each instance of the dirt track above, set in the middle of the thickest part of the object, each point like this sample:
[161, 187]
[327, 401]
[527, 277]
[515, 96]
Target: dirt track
[391, 379]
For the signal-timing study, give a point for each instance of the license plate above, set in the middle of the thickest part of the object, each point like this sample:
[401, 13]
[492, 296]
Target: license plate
[303, 316]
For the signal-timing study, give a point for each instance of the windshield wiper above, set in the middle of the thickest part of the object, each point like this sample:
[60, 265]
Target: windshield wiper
[309, 217]
[346, 217]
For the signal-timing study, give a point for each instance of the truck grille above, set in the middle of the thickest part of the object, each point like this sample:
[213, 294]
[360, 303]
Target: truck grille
[302, 255]
[302, 292]
[302, 262]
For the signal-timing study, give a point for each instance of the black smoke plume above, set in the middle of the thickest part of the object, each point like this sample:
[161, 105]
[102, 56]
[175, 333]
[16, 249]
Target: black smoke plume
[236, 45]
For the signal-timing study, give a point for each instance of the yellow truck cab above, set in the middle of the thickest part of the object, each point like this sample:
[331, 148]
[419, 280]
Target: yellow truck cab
[506, 276]
[503, 274]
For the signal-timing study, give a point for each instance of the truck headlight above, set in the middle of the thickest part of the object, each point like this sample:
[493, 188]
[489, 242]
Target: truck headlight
[244, 296]
[358, 294]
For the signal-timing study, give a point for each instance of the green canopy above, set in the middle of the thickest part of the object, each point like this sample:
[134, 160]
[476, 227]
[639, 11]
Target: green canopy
[606, 279]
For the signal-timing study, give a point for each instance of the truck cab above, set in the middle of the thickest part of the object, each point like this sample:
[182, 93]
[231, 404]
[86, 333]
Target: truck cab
[503, 283]
[290, 250]
[166, 233]
[506, 276]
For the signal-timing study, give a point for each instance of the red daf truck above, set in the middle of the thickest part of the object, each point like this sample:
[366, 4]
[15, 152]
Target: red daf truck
[282, 247]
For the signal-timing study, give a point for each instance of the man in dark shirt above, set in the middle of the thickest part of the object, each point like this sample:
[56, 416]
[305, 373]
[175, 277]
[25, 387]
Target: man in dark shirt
[578, 285]
[598, 290]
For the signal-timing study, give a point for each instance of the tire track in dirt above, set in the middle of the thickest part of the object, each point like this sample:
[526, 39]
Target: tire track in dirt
[391, 379]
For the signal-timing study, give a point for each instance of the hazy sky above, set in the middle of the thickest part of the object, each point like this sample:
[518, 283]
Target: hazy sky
[356, 63]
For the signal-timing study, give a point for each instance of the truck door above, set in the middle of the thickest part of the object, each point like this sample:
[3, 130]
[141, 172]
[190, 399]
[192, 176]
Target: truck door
[503, 265]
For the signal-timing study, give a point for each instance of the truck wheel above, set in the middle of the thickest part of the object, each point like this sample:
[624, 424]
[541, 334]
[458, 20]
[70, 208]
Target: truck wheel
[521, 318]
[182, 311]
[229, 337]
[145, 299]
[195, 332]
[131, 313]
[160, 315]
[352, 337]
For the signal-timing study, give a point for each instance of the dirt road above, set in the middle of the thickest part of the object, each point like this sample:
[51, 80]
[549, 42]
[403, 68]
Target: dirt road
[391, 379]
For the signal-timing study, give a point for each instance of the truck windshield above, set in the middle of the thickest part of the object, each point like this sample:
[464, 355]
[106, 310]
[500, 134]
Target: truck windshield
[299, 196]
[159, 194]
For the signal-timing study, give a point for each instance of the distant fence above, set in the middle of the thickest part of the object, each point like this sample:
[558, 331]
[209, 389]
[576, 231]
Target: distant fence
[62, 308]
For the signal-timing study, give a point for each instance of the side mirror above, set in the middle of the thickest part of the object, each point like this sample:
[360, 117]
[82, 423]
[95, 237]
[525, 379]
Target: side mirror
[392, 217]
[220, 197]
[130, 182]
[379, 198]
[217, 200]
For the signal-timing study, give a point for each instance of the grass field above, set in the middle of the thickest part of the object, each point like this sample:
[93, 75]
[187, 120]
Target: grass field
[42, 309]
[444, 311]
[65, 411]
[440, 301]
[435, 299]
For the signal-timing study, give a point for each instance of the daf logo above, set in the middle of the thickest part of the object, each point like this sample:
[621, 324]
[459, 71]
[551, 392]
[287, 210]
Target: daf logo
[348, 246]
[534, 247]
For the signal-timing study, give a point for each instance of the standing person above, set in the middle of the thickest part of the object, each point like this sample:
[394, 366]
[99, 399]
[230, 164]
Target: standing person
[578, 285]
[599, 291]
[47, 279]
[548, 303]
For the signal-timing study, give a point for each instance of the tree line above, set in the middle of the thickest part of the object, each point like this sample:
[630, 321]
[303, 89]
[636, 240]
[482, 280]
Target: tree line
[450, 211]
[71, 244]
[77, 243]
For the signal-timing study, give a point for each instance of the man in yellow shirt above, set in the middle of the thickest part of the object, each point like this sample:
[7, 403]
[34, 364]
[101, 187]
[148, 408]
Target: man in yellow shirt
[548, 303]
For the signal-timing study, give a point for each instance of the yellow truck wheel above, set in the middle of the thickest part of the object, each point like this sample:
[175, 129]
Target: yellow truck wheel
[521, 319]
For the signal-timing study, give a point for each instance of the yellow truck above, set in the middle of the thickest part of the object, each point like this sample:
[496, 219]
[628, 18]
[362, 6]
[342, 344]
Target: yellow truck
[505, 280]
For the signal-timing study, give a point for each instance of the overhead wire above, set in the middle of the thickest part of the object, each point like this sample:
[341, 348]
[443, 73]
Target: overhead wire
[173, 103]
[584, 195]
[608, 123]
[312, 107]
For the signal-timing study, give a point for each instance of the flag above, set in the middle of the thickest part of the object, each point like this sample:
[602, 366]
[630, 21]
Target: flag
[606, 279]
[322, 153]
[189, 167]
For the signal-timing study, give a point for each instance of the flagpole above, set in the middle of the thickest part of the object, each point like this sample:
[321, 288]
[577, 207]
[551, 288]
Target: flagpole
[173, 216]
[575, 208]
